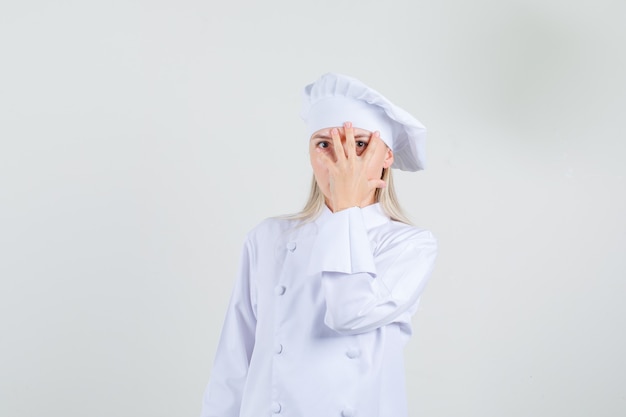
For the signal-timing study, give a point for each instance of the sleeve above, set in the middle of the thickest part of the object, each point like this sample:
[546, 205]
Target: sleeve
[222, 397]
[365, 289]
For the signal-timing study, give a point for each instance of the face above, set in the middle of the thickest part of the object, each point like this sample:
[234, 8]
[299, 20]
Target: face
[382, 158]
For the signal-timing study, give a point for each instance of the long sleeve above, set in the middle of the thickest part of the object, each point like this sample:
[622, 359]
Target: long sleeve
[368, 284]
[222, 397]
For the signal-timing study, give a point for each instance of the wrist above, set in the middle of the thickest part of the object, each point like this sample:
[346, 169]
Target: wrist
[344, 204]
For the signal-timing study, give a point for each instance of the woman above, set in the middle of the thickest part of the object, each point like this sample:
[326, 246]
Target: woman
[321, 308]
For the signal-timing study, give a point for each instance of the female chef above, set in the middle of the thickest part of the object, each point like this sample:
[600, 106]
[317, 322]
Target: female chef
[322, 304]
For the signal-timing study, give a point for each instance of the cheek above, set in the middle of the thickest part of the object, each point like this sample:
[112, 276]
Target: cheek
[318, 168]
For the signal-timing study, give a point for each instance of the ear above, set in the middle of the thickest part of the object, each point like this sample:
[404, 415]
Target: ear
[388, 159]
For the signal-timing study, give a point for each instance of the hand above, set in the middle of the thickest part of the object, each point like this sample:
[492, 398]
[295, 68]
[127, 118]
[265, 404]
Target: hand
[348, 179]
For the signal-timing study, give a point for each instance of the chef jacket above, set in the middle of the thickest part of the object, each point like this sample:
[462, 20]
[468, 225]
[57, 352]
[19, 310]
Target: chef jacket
[319, 317]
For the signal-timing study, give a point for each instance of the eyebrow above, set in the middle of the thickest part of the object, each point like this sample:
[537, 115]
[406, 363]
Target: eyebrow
[327, 137]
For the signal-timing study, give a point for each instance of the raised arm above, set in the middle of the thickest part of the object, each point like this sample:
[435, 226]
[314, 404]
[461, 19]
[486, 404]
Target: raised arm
[365, 287]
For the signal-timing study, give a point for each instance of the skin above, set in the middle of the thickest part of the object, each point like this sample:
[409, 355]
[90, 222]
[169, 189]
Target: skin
[350, 177]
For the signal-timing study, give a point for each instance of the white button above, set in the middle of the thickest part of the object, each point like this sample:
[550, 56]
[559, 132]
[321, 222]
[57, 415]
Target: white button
[276, 407]
[278, 349]
[353, 353]
[347, 412]
[291, 246]
[279, 290]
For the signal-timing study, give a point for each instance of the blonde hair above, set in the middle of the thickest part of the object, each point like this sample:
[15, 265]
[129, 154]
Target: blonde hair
[385, 196]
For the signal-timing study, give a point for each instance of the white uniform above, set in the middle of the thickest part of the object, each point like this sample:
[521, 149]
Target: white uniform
[319, 317]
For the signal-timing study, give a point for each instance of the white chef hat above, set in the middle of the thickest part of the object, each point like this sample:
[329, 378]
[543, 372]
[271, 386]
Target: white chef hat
[335, 99]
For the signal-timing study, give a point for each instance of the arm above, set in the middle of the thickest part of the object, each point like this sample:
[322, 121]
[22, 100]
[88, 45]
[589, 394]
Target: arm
[364, 289]
[222, 397]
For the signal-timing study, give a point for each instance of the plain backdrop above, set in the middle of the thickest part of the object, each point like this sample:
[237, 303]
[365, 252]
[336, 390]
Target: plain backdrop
[141, 140]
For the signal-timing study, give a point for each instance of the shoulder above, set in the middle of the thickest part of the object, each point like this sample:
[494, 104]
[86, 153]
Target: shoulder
[398, 234]
[409, 229]
[402, 231]
[271, 228]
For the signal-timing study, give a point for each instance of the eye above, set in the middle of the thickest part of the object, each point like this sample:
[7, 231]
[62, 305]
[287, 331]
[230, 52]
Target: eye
[322, 144]
[361, 144]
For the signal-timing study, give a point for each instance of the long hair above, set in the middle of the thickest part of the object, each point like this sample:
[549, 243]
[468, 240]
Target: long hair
[385, 196]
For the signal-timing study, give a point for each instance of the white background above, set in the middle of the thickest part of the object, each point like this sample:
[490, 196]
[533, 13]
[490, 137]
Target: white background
[140, 140]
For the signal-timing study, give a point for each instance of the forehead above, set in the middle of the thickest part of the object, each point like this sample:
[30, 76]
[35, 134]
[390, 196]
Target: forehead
[326, 132]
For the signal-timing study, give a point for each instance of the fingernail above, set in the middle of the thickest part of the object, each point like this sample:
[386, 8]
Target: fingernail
[334, 131]
[377, 134]
[348, 124]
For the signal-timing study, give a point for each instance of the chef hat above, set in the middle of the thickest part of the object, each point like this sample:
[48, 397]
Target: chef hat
[335, 99]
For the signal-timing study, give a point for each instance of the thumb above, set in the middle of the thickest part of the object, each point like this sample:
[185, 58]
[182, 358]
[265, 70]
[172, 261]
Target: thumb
[377, 184]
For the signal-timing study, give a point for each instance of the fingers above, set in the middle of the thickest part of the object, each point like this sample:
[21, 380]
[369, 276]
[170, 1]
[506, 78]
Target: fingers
[373, 143]
[339, 150]
[350, 146]
[347, 151]
[376, 184]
